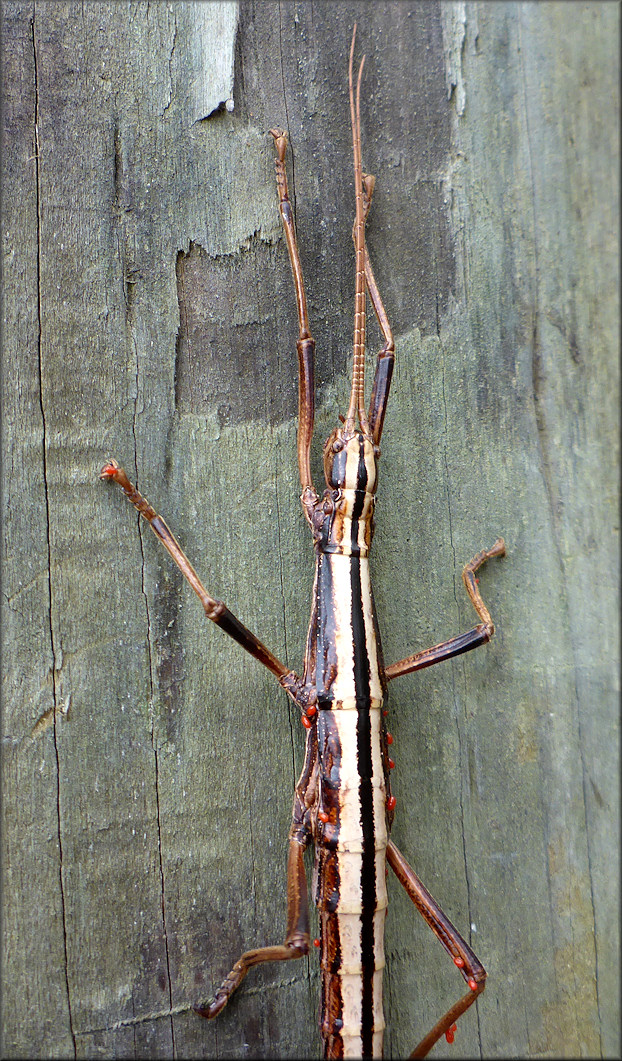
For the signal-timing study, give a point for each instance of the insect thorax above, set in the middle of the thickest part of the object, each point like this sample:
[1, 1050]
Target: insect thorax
[343, 519]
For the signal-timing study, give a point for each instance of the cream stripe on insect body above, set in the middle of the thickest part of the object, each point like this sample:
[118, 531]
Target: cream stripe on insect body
[343, 689]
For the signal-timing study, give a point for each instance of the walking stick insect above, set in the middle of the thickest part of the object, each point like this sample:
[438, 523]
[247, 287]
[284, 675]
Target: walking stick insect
[343, 802]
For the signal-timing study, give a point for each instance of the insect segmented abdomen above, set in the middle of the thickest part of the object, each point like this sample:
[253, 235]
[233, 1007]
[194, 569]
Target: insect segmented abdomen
[351, 890]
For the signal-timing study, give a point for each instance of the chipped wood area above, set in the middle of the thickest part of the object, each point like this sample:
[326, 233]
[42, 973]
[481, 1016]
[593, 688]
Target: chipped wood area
[148, 767]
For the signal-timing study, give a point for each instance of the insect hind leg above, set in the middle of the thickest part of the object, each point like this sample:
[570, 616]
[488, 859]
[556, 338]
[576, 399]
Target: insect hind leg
[458, 949]
[296, 943]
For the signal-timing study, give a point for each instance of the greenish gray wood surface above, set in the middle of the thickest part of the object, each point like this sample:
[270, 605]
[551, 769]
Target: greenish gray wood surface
[148, 766]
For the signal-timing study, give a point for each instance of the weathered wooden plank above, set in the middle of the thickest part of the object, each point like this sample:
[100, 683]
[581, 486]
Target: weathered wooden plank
[148, 767]
[31, 857]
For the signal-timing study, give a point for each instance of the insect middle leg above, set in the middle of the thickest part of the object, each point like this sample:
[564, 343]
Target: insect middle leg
[214, 609]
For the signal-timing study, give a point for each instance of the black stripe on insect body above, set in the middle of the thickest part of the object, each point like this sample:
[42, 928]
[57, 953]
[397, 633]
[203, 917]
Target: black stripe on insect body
[365, 771]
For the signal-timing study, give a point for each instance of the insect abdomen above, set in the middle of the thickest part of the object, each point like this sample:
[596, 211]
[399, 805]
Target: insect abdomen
[351, 829]
[351, 893]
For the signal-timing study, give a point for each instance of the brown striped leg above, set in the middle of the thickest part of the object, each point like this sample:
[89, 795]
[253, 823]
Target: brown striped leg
[386, 360]
[386, 357]
[214, 609]
[479, 635]
[306, 343]
[458, 949]
[296, 943]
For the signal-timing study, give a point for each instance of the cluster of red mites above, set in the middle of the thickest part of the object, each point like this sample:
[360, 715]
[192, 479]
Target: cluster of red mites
[307, 715]
[306, 718]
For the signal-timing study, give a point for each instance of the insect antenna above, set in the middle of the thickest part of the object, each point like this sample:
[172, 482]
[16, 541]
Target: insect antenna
[357, 393]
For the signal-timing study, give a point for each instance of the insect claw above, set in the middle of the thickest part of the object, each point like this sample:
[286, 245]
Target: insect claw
[213, 1008]
[280, 143]
[109, 469]
[497, 549]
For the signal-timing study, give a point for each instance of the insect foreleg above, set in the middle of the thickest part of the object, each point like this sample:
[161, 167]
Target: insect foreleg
[214, 609]
[386, 357]
[385, 362]
[306, 342]
[479, 635]
[458, 949]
